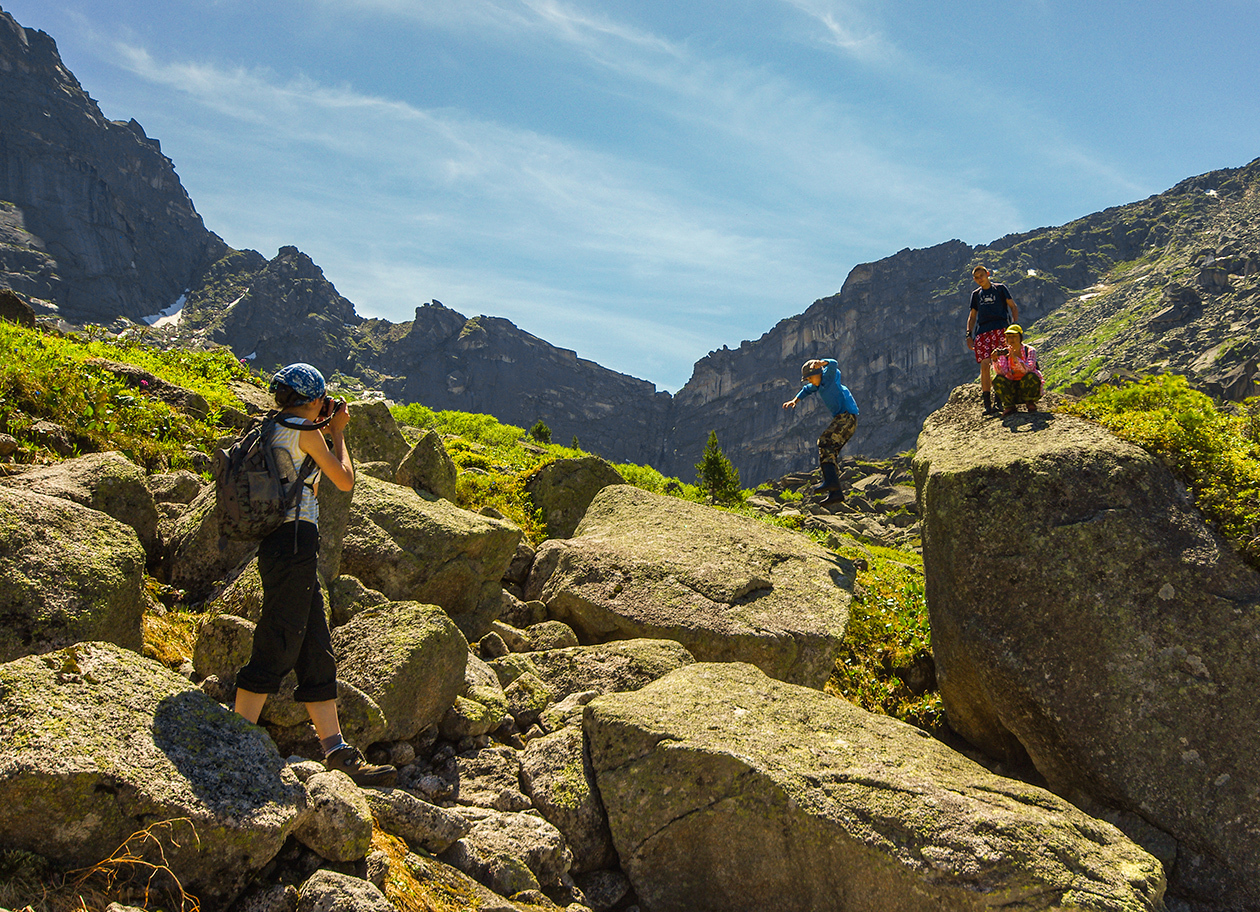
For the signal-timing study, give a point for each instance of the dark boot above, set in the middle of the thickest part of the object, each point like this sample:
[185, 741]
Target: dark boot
[833, 498]
[350, 761]
[831, 478]
[988, 402]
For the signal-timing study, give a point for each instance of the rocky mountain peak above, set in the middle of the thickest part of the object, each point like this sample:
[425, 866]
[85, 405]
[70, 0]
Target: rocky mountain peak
[109, 229]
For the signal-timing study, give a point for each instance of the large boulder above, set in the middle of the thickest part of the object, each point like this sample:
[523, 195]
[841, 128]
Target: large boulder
[109, 482]
[408, 658]
[413, 548]
[338, 822]
[726, 789]
[508, 851]
[198, 559]
[729, 588]
[69, 574]
[557, 774]
[334, 517]
[422, 825]
[372, 434]
[428, 467]
[1085, 615]
[563, 489]
[330, 891]
[100, 743]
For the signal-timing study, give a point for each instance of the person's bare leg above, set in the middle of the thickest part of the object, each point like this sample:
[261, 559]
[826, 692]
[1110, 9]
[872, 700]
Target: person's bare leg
[345, 758]
[250, 704]
[324, 717]
[986, 379]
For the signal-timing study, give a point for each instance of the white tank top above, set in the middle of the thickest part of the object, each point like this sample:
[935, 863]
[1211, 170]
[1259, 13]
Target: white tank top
[289, 458]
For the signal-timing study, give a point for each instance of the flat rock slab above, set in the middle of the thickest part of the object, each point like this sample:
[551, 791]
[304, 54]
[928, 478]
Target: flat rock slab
[726, 789]
[100, 742]
[727, 587]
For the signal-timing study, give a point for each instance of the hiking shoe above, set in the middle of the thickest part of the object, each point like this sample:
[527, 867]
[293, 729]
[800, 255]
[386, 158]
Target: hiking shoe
[350, 761]
[1032, 406]
[833, 498]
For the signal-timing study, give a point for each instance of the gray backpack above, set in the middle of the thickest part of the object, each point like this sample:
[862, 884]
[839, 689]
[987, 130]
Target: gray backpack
[252, 493]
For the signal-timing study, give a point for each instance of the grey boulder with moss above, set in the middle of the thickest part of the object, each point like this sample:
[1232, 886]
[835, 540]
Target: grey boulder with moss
[411, 547]
[108, 482]
[727, 587]
[415, 548]
[408, 658]
[564, 488]
[196, 562]
[509, 851]
[331, 891]
[373, 435]
[480, 706]
[726, 789]
[1109, 593]
[337, 824]
[70, 573]
[428, 467]
[557, 774]
[100, 743]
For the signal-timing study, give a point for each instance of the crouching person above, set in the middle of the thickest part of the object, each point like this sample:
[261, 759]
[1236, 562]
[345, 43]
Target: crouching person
[292, 632]
[1018, 381]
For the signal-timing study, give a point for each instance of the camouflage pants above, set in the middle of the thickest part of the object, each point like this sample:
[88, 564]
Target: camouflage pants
[835, 437]
[1014, 392]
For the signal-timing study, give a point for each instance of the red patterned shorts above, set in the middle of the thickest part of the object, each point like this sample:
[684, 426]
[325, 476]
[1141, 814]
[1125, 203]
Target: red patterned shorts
[986, 342]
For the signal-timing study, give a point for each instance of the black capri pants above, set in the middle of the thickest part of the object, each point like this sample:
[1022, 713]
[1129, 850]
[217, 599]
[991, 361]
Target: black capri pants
[292, 632]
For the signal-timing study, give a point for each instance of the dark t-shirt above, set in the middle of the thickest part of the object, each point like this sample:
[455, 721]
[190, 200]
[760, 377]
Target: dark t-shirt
[990, 307]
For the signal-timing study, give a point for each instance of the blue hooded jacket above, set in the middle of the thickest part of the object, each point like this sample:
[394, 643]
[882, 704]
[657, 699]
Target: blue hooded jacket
[834, 393]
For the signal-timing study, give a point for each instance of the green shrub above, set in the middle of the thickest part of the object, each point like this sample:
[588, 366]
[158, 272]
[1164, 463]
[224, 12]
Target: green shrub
[887, 635]
[717, 475]
[1215, 453]
[540, 432]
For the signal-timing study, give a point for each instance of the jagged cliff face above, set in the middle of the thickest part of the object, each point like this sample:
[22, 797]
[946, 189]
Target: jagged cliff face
[1166, 283]
[486, 364]
[273, 312]
[93, 219]
[282, 310]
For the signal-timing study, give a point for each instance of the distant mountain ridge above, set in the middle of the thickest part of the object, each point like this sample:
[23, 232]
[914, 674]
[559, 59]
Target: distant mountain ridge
[94, 226]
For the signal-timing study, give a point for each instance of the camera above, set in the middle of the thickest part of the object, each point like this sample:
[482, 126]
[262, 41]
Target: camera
[331, 406]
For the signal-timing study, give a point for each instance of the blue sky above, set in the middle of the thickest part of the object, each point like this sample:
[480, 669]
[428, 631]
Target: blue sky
[644, 182]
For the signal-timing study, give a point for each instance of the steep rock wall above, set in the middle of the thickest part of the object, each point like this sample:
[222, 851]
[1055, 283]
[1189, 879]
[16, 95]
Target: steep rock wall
[111, 230]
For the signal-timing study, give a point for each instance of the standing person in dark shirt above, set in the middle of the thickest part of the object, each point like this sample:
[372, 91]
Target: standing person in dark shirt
[992, 310]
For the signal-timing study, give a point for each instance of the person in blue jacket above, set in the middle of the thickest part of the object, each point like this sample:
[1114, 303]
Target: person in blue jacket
[823, 376]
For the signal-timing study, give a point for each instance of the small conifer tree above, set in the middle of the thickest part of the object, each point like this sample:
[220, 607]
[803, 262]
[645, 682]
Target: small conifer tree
[540, 432]
[717, 475]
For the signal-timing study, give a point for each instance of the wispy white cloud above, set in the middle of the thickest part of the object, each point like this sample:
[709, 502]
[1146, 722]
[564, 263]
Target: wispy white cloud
[846, 26]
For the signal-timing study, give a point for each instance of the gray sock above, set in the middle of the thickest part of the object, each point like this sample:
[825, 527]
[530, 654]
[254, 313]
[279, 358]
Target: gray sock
[332, 743]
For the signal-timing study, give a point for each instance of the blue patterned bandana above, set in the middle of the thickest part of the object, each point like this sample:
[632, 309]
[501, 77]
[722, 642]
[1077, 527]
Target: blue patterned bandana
[303, 379]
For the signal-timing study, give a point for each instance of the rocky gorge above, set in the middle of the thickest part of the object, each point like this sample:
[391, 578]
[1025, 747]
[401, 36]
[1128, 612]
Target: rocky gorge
[631, 714]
